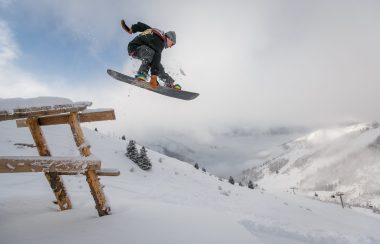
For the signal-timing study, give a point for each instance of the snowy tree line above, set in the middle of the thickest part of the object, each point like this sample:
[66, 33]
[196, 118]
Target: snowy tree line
[197, 167]
[231, 179]
[140, 158]
[250, 183]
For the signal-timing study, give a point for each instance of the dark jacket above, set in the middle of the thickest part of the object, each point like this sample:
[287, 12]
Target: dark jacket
[150, 37]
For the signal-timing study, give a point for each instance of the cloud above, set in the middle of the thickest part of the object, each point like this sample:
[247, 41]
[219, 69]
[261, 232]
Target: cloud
[252, 62]
[8, 49]
[15, 82]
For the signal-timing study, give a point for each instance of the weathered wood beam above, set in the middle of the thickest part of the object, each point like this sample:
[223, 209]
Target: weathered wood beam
[85, 116]
[99, 172]
[91, 177]
[4, 112]
[47, 164]
[24, 144]
[55, 181]
[108, 172]
[90, 115]
[43, 111]
[38, 136]
[74, 123]
[97, 193]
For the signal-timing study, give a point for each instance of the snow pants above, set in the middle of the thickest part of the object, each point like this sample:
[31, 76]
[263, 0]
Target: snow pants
[146, 54]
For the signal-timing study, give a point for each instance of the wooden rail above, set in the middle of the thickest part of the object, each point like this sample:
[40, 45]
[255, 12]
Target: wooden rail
[47, 164]
[54, 167]
[19, 113]
[84, 116]
[99, 172]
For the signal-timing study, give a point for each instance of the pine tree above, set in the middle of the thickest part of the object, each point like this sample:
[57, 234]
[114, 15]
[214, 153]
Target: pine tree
[123, 138]
[203, 169]
[132, 153]
[231, 180]
[143, 160]
[250, 185]
[196, 166]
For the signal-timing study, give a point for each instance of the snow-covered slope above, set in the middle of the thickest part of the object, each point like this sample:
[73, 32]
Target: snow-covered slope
[171, 203]
[344, 159]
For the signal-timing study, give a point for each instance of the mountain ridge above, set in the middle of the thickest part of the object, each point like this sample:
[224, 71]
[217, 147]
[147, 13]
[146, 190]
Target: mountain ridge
[342, 159]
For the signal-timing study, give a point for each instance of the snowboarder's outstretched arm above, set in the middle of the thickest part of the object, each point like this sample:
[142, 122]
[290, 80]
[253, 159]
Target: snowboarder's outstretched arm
[139, 27]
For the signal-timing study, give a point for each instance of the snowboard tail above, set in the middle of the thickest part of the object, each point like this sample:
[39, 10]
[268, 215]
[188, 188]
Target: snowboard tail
[166, 91]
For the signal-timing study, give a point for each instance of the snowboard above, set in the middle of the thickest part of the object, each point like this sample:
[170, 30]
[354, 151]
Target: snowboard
[166, 91]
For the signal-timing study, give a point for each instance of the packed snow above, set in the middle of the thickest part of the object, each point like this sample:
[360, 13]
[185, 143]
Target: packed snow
[171, 203]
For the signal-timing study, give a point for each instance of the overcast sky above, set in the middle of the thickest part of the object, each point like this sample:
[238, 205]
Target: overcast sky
[285, 62]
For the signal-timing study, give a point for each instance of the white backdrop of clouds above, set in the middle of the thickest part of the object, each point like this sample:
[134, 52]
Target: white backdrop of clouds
[263, 62]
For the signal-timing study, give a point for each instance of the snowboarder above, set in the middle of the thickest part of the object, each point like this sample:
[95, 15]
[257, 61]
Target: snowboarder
[147, 47]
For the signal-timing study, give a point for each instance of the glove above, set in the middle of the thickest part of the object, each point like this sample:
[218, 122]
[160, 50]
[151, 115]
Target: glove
[125, 27]
[153, 82]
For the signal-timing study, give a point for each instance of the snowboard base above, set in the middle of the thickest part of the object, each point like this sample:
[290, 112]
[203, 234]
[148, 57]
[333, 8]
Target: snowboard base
[166, 91]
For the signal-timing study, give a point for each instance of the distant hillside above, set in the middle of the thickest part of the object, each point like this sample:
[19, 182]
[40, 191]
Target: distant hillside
[344, 159]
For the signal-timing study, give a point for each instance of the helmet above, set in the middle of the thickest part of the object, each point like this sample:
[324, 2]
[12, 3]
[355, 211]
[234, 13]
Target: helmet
[171, 35]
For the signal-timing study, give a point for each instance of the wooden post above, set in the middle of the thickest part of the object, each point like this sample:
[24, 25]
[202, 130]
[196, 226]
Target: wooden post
[340, 194]
[55, 181]
[38, 136]
[91, 177]
[74, 123]
[97, 192]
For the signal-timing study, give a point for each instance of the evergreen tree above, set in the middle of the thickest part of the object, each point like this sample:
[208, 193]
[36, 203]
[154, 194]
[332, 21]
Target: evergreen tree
[231, 180]
[203, 169]
[123, 138]
[132, 153]
[250, 185]
[143, 160]
[196, 166]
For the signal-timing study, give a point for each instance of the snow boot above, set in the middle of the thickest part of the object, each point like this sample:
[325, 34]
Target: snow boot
[141, 76]
[171, 85]
[153, 82]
